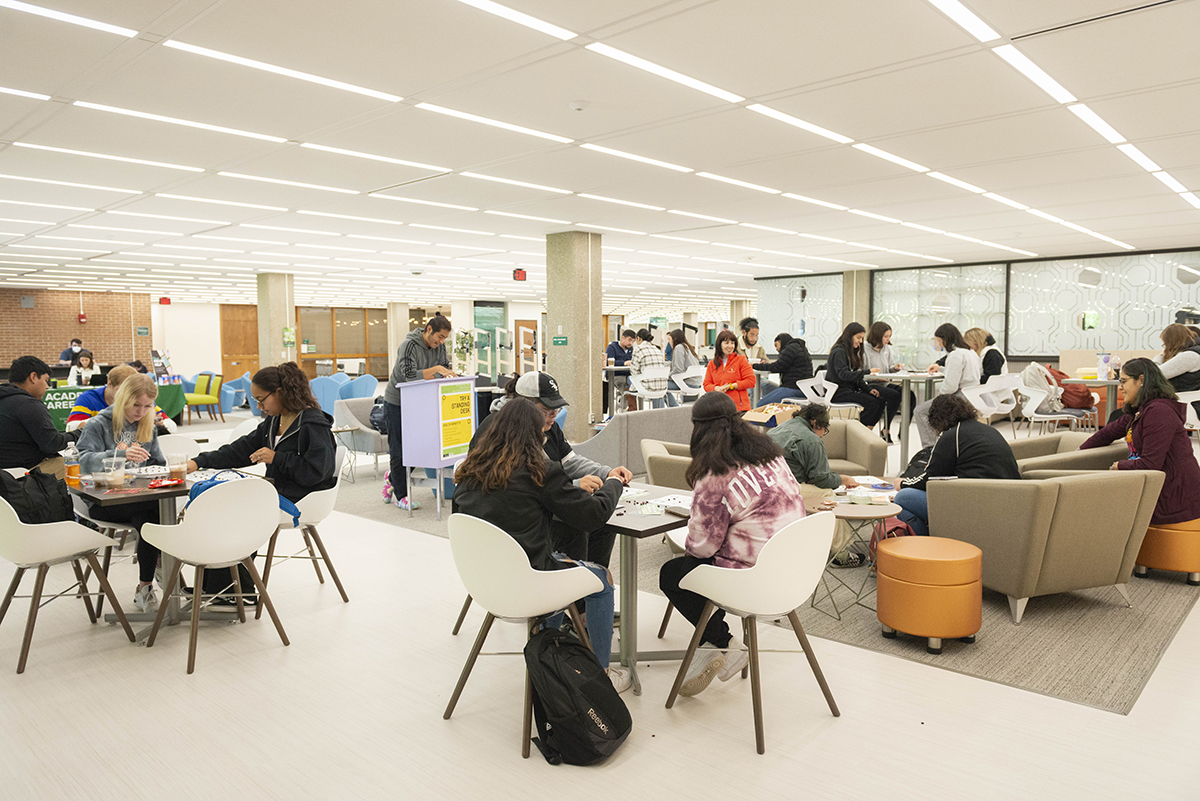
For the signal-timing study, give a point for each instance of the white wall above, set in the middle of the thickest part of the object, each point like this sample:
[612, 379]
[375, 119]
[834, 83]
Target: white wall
[191, 333]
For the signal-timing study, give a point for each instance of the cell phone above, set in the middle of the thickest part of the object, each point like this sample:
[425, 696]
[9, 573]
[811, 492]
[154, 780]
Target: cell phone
[678, 511]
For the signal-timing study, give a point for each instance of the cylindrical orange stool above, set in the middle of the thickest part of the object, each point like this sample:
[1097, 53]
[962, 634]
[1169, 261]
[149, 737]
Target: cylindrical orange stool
[1171, 546]
[930, 587]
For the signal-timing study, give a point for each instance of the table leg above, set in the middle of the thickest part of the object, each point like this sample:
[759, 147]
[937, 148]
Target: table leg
[628, 631]
[167, 516]
[440, 491]
[905, 421]
[407, 487]
[1111, 400]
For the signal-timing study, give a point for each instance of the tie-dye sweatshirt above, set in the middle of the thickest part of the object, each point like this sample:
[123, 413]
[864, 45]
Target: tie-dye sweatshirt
[733, 515]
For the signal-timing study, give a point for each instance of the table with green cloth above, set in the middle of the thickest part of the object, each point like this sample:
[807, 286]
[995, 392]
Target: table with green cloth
[170, 399]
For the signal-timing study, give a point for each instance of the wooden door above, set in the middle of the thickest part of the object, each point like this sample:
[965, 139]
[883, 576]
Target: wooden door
[239, 340]
[526, 334]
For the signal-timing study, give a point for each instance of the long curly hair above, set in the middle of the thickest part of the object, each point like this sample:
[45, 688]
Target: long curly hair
[512, 441]
[291, 383]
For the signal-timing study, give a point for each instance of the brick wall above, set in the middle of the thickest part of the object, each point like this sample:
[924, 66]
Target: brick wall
[46, 329]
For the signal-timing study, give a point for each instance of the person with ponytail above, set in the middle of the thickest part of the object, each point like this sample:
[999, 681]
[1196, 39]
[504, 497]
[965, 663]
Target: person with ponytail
[743, 493]
[295, 439]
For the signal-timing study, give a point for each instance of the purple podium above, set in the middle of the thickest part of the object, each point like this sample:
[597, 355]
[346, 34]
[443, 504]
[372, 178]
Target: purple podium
[437, 421]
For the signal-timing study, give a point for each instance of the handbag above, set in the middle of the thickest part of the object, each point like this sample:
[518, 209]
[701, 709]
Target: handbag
[37, 497]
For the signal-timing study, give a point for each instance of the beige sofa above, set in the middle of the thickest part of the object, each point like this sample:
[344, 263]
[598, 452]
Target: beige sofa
[1049, 533]
[1061, 452]
[853, 449]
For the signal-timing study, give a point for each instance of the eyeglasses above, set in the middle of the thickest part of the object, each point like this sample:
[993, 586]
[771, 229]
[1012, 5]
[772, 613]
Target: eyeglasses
[263, 399]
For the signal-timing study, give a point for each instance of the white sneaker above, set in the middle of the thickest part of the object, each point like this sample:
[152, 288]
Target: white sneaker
[704, 668]
[145, 600]
[620, 678]
[735, 659]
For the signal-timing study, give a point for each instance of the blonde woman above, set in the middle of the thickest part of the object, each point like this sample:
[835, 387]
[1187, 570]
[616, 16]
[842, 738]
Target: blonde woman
[127, 429]
[984, 345]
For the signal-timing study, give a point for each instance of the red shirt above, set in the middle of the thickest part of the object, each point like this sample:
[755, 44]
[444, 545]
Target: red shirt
[735, 370]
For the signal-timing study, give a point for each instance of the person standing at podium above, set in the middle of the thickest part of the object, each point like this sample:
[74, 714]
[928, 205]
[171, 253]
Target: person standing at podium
[421, 356]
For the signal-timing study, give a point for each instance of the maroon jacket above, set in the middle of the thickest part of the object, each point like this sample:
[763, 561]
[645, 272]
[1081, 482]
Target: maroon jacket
[1158, 441]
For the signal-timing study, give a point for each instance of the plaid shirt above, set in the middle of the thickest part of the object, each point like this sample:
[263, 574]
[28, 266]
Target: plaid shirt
[646, 355]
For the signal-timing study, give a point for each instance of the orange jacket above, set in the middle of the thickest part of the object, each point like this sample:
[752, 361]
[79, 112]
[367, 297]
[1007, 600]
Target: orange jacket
[734, 370]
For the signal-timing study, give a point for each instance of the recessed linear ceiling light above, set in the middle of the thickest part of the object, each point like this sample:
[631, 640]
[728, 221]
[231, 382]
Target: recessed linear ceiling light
[387, 239]
[336, 247]
[799, 123]
[1005, 201]
[607, 228]
[702, 216]
[288, 183]
[663, 72]
[1170, 181]
[27, 222]
[221, 202]
[634, 157]
[82, 239]
[824, 238]
[684, 238]
[349, 217]
[516, 183]
[736, 247]
[67, 250]
[1034, 73]
[290, 230]
[1098, 125]
[622, 202]
[816, 202]
[1138, 156]
[89, 154]
[735, 182]
[239, 239]
[768, 228]
[455, 230]
[511, 236]
[528, 217]
[373, 157]
[124, 230]
[966, 19]
[956, 182]
[19, 93]
[259, 65]
[521, 19]
[166, 217]
[195, 247]
[176, 121]
[64, 17]
[495, 123]
[1190, 197]
[892, 157]
[45, 205]
[69, 183]
[872, 215]
[423, 202]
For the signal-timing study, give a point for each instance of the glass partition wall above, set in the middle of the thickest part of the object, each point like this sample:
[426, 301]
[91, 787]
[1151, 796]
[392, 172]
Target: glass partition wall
[331, 335]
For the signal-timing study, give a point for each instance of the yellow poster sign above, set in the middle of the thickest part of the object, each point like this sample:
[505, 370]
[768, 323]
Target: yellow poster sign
[457, 418]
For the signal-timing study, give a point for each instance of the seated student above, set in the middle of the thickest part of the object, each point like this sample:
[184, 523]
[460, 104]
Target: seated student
[646, 355]
[990, 358]
[507, 480]
[1180, 359]
[743, 494]
[89, 403]
[294, 440]
[541, 388]
[847, 368]
[967, 448]
[127, 429]
[620, 351]
[1152, 426]
[880, 355]
[83, 367]
[729, 372]
[28, 437]
[682, 358]
[794, 364]
[963, 368]
[68, 355]
[750, 347]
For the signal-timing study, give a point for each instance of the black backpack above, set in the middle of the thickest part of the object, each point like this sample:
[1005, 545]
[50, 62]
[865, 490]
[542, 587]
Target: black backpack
[579, 715]
[37, 497]
[379, 416]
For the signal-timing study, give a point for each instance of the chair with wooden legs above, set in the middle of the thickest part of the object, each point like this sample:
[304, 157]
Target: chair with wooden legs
[207, 396]
[41, 546]
[497, 574]
[676, 537]
[784, 576]
[314, 508]
[222, 528]
[109, 530]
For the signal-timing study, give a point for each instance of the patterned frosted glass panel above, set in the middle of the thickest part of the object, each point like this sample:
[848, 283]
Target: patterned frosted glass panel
[1101, 304]
[809, 308]
[915, 302]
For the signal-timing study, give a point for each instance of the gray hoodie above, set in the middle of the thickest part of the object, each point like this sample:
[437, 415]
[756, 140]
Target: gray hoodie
[412, 359]
[97, 443]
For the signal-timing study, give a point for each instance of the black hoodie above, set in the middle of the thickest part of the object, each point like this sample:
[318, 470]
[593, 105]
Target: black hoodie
[305, 455]
[27, 433]
[794, 363]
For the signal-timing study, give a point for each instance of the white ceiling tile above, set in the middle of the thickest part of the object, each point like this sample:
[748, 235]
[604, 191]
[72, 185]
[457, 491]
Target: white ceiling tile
[1019, 17]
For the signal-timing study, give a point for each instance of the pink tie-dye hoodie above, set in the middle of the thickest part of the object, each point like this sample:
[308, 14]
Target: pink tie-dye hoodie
[733, 515]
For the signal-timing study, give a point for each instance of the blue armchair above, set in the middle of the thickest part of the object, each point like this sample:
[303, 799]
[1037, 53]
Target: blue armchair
[340, 378]
[325, 390]
[362, 387]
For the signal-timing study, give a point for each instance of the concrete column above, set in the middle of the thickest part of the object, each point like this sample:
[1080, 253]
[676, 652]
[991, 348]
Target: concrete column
[738, 311]
[573, 312]
[397, 330]
[856, 297]
[276, 311]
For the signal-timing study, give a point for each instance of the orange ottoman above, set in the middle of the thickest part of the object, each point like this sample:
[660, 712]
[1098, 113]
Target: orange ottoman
[930, 587]
[1173, 546]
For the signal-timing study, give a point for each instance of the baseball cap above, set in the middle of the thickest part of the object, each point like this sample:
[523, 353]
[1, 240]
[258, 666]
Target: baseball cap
[540, 387]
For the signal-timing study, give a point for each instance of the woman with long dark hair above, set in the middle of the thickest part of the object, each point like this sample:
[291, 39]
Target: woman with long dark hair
[729, 372]
[963, 369]
[294, 440]
[83, 367]
[507, 480]
[683, 358]
[847, 368]
[879, 354]
[743, 494]
[1152, 427]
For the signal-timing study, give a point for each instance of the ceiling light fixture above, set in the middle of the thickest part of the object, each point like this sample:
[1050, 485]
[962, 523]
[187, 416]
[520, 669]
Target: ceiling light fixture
[816, 202]
[165, 217]
[799, 123]
[702, 216]
[82, 239]
[521, 19]
[290, 230]
[349, 217]
[423, 202]
[288, 183]
[108, 157]
[735, 182]
[634, 157]
[70, 183]
[64, 17]
[1034, 73]
[528, 217]
[872, 215]
[966, 19]
[495, 123]
[176, 121]
[516, 183]
[1005, 201]
[608, 228]
[221, 202]
[1098, 125]
[824, 238]
[124, 230]
[1170, 181]
[455, 230]
[239, 239]
[663, 72]
[1190, 197]
[920, 227]
[196, 247]
[679, 238]
[1138, 156]
[956, 182]
[373, 157]
[892, 157]
[622, 202]
[45, 205]
[20, 93]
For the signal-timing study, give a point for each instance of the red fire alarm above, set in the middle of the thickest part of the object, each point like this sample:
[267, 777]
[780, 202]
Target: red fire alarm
[518, 274]
[82, 317]
[164, 301]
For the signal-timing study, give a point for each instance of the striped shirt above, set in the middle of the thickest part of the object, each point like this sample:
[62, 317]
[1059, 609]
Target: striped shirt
[413, 358]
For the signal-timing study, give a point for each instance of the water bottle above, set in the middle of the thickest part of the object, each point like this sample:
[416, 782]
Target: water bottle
[71, 457]
[1114, 364]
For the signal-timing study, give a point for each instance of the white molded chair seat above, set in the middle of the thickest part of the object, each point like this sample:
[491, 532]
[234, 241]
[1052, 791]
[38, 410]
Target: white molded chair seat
[694, 374]
[1192, 422]
[1032, 398]
[243, 428]
[179, 443]
[221, 528]
[41, 546]
[497, 574]
[638, 384]
[784, 576]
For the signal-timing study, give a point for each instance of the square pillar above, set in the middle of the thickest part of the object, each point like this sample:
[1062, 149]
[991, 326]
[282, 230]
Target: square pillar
[276, 311]
[574, 338]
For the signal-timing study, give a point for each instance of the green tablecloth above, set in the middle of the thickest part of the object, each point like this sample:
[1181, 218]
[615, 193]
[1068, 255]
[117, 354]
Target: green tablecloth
[60, 400]
[170, 399]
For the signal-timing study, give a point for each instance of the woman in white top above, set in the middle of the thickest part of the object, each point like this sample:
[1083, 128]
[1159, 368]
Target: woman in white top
[963, 369]
[880, 354]
[83, 367]
[683, 358]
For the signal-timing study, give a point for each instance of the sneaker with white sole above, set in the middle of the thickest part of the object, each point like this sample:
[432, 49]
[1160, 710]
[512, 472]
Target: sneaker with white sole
[145, 599]
[736, 658]
[620, 678]
[848, 559]
[406, 504]
[705, 666]
[387, 486]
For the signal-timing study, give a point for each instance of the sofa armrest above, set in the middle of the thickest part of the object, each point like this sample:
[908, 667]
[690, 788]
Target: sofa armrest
[1091, 459]
[663, 470]
[863, 447]
[1030, 447]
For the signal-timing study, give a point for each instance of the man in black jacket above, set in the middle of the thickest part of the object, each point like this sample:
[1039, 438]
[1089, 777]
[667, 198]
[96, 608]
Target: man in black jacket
[28, 437]
[794, 364]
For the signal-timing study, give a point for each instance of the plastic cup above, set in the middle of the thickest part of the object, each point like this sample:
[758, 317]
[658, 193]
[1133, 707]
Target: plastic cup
[177, 465]
[114, 471]
[87, 480]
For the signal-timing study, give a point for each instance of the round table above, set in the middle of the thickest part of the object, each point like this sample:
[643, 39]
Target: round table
[859, 516]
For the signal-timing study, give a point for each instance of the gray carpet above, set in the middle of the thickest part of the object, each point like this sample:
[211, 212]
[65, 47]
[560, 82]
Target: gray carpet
[1083, 647]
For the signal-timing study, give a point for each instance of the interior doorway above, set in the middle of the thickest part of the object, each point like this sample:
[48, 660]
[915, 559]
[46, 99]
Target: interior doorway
[239, 340]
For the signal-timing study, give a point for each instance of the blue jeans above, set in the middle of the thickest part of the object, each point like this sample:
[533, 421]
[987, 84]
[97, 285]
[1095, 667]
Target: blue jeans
[598, 613]
[914, 506]
[780, 394]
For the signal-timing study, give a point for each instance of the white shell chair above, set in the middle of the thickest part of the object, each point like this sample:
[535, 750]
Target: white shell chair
[497, 574]
[179, 443]
[690, 391]
[221, 528]
[638, 384]
[1032, 398]
[314, 508]
[1188, 398]
[109, 531]
[830, 389]
[42, 545]
[782, 579]
[243, 428]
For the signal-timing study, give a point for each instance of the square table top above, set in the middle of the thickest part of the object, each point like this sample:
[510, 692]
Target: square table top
[103, 496]
[629, 523]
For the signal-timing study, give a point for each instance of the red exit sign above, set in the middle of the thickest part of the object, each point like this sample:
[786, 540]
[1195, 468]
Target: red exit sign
[518, 274]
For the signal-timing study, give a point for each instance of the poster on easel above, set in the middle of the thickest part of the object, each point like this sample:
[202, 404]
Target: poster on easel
[161, 361]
